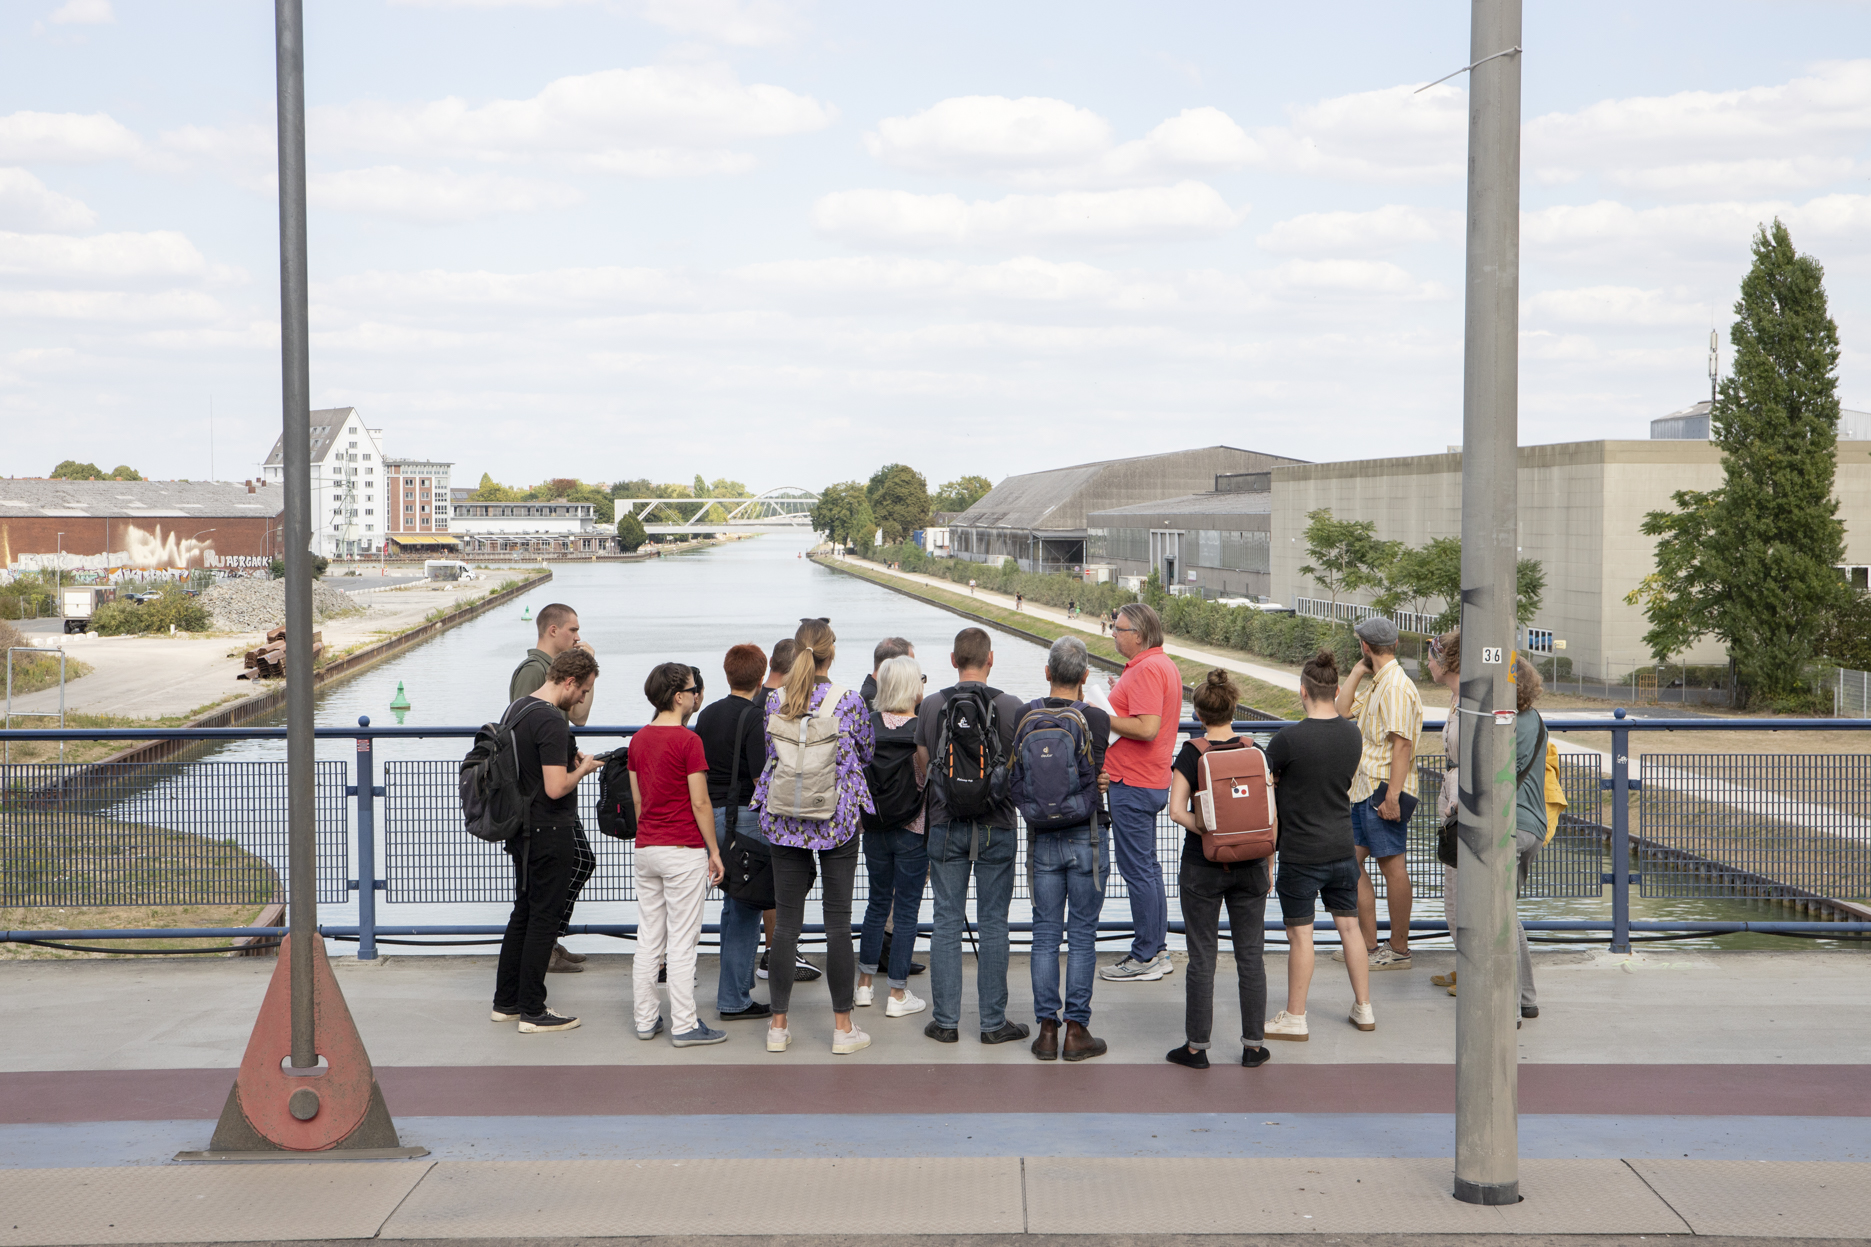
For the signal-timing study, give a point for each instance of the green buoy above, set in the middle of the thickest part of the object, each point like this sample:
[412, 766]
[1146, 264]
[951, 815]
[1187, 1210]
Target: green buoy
[399, 704]
[526, 614]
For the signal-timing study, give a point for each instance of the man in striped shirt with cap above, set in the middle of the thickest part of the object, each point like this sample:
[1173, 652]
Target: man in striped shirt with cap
[1382, 698]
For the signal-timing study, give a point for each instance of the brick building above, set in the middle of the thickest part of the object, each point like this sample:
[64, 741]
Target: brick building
[139, 525]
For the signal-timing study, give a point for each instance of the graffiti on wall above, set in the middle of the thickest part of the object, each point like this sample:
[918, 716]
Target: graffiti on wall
[144, 549]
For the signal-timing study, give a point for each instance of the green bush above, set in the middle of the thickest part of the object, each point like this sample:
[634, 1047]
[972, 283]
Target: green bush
[1053, 589]
[123, 617]
[28, 596]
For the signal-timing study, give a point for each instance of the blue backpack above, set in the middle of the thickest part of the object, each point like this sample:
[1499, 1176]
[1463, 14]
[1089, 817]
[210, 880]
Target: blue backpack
[1055, 784]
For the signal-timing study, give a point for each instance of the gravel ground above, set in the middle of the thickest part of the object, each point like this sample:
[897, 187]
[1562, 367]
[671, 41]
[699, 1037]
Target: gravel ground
[256, 605]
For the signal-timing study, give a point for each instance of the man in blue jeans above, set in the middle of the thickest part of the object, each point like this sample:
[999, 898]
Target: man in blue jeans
[982, 846]
[733, 732]
[1066, 870]
[1146, 709]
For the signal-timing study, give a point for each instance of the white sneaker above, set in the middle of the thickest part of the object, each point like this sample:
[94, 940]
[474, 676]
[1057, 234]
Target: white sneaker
[864, 997]
[911, 1003]
[1388, 958]
[778, 1040]
[1288, 1026]
[846, 1042]
[1130, 970]
[1363, 1018]
[1163, 962]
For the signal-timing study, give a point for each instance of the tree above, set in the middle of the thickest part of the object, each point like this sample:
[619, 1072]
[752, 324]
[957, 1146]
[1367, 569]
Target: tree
[491, 490]
[1346, 554]
[961, 493]
[900, 501]
[1754, 562]
[570, 489]
[1433, 572]
[843, 513]
[124, 472]
[72, 470]
[630, 532]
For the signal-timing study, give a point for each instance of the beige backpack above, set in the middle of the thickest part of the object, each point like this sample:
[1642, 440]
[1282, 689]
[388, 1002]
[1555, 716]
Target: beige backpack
[802, 779]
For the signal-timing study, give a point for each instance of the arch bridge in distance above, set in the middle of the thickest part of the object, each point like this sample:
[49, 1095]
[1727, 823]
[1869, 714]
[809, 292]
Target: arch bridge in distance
[786, 509]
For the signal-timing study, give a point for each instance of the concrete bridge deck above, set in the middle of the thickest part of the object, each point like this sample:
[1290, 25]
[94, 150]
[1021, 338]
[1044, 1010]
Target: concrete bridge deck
[1665, 1093]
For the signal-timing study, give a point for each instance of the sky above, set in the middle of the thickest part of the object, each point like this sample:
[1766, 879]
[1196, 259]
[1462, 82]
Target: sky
[786, 241]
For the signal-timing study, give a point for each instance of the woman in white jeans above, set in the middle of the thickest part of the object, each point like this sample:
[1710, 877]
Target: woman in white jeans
[676, 855]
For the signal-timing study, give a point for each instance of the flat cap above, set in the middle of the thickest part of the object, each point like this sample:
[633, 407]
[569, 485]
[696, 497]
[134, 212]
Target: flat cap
[1377, 631]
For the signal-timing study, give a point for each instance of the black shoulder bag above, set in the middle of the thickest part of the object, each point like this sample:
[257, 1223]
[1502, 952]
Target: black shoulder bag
[748, 876]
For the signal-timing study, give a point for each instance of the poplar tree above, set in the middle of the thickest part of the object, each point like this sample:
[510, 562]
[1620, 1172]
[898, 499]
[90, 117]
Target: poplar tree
[1755, 562]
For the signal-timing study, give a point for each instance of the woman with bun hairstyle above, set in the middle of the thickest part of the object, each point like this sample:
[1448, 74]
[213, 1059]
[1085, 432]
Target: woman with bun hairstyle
[1312, 763]
[1207, 886]
[796, 836]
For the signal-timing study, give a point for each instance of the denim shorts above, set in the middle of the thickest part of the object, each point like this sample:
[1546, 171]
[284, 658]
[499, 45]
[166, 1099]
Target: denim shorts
[1301, 883]
[1382, 837]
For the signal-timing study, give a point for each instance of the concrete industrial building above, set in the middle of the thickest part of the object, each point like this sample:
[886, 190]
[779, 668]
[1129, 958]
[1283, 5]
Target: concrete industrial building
[1692, 424]
[1581, 507]
[110, 526]
[350, 502]
[1040, 519]
[1214, 544]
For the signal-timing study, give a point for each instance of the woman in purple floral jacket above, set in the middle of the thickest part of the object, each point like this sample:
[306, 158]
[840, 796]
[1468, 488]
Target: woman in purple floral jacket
[794, 839]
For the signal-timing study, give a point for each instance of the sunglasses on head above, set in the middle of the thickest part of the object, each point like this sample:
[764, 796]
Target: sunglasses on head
[824, 619]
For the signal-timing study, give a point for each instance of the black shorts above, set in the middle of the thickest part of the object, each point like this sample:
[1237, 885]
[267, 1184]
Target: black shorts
[1300, 884]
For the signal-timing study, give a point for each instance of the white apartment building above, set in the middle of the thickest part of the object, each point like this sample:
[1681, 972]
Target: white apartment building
[350, 503]
[557, 517]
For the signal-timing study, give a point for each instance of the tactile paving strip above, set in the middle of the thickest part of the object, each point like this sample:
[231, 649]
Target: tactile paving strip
[208, 1203]
[627, 1198]
[1287, 1196]
[1766, 1198]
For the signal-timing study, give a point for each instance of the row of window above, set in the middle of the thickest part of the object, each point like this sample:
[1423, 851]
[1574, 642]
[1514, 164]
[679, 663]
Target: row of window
[1222, 549]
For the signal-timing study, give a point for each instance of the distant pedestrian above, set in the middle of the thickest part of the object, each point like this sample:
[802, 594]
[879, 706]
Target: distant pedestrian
[964, 735]
[888, 648]
[896, 851]
[1146, 708]
[1019, 601]
[1068, 856]
[557, 625]
[1313, 762]
[812, 794]
[545, 855]
[1389, 714]
[677, 856]
[1206, 887]
[733, 737]
[971, 588]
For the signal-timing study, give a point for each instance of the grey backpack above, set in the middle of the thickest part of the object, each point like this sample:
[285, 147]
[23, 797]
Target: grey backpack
[802, 779]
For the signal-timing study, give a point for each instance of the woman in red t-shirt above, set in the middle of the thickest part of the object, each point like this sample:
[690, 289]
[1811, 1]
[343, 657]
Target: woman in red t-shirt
[676, 855]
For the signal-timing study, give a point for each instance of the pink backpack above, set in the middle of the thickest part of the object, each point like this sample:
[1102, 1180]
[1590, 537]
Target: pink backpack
[1234, 802]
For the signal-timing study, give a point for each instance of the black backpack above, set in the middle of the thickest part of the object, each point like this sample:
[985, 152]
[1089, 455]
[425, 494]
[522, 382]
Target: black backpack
[617, 809]
[892, 777]
[495, 797]
[969, 766]
[1055, 785]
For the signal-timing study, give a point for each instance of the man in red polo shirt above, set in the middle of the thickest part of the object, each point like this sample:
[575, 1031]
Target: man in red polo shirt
[1146, 707]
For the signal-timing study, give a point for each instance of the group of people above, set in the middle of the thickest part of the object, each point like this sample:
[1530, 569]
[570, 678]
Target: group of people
[781, 782]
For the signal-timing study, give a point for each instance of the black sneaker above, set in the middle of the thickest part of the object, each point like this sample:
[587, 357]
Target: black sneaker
[942, 1034]
[540, 1023]
[1181, 1055]
[1006, 1032]
[805, 972]
[761, 969]
[755, 1010]
[1253, 1058]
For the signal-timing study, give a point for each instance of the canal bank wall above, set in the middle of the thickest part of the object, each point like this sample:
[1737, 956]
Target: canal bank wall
[248, 708]
[996, 619]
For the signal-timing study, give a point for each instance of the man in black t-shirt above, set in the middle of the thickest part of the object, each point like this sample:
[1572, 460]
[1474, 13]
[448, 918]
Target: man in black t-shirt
[1066, 873]
[545, 854]
[1313, 762]
[736, 726]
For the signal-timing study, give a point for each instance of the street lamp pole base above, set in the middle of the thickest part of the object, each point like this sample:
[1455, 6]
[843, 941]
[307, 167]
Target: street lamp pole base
[1487, 1192]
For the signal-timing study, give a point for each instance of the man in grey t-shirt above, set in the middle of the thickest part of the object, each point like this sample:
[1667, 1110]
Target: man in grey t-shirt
[984, 845]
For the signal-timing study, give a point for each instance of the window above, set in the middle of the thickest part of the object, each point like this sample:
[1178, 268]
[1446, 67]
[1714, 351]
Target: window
[353, 445]
[369, 511]
[368, 471]
[366, 458]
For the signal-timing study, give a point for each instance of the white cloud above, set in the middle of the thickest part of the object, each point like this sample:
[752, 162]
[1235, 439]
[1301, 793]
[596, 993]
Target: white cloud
[1390, 228]
[1792, 136]
[82, 13]
[103, 257]
[1038, 142]
[742, 23]
[27, 204]
[1391, 135]
[618, 119]
[1620, 306]
[1355, 278]
[64, 138]
[438, 196]
[1607, 231]
[899, 218]
[103, 306]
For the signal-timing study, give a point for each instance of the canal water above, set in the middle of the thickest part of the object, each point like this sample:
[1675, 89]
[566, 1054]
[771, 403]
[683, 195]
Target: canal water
[691, 608]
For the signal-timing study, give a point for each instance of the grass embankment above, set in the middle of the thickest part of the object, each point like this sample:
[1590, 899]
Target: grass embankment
[96, 750]
[33, 672]
[1258, 694]
[51, 854]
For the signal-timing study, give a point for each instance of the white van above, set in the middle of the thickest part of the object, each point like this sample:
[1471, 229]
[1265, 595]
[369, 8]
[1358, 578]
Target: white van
[447, 569]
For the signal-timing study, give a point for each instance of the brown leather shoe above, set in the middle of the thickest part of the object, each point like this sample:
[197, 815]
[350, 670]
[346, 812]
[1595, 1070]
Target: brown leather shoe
[1081, 1044]
[561, 964]
[1046, 1047]
[577, 959]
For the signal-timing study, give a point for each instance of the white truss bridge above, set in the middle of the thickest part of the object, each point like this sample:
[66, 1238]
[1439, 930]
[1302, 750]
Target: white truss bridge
[787, 509]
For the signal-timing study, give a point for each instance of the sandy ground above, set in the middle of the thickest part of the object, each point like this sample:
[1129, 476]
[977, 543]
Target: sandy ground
[149, 677]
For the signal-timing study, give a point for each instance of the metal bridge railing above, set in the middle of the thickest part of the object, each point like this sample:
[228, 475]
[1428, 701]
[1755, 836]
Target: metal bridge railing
[180, 832]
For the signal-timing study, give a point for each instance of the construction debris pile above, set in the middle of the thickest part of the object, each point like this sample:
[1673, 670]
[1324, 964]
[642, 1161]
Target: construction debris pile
[268, 661]
[250, 605]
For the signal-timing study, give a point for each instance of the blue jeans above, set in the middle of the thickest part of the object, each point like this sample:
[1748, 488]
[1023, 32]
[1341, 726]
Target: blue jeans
[741, 925]
[956, 849]
[1133, 836]
[898, 861]
[1068, 870]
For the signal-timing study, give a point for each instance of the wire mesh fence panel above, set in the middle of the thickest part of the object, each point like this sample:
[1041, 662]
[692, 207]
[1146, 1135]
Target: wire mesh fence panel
[1750, 824]
[164, 833]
